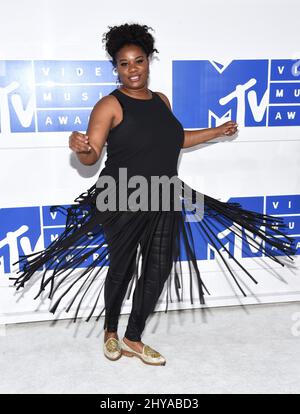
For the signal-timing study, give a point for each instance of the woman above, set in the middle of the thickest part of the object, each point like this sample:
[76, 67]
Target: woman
[144, 140]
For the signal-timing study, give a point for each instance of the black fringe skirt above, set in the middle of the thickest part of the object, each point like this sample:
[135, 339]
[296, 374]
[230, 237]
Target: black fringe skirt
[83, 245]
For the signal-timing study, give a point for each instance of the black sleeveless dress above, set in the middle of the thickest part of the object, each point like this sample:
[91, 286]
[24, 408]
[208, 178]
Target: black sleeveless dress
[146, 143]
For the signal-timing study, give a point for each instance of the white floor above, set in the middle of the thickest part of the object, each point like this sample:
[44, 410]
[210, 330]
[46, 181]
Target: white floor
[252, 349]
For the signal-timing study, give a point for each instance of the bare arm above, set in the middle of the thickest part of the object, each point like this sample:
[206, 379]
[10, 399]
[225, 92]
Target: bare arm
[192, 138]
[88, 147]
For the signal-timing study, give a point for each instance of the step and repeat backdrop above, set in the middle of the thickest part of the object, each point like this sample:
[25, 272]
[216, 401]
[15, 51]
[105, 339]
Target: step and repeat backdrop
[216, 62]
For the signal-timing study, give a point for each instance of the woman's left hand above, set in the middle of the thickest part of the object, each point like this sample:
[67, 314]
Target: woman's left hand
[228, 129]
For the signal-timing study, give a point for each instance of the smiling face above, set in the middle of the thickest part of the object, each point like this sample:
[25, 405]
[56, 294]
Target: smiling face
[132, 67]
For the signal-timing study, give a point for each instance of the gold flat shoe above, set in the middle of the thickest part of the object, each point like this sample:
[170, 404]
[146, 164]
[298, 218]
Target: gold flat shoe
[149, 356]
[112, 349]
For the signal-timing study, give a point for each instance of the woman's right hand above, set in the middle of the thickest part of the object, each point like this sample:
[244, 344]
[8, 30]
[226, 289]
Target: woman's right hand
[79, 142]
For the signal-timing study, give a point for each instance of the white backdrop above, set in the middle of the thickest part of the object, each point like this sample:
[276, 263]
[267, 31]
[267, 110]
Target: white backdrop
[261, 161]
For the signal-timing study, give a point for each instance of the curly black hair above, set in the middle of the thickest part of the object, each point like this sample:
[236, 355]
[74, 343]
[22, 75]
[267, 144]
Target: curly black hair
[119, 36]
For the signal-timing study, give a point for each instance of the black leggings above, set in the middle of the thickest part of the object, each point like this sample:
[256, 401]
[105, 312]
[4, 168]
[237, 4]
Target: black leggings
[122, 256]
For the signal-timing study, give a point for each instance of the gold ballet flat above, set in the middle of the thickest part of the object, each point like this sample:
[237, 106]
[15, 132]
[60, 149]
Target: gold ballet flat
[112, 349]
[149, 356]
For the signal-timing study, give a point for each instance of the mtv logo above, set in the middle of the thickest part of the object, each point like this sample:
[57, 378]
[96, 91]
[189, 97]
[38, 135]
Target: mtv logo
[51, 96]
[246, 246]
[208, 93]
[20, 233]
